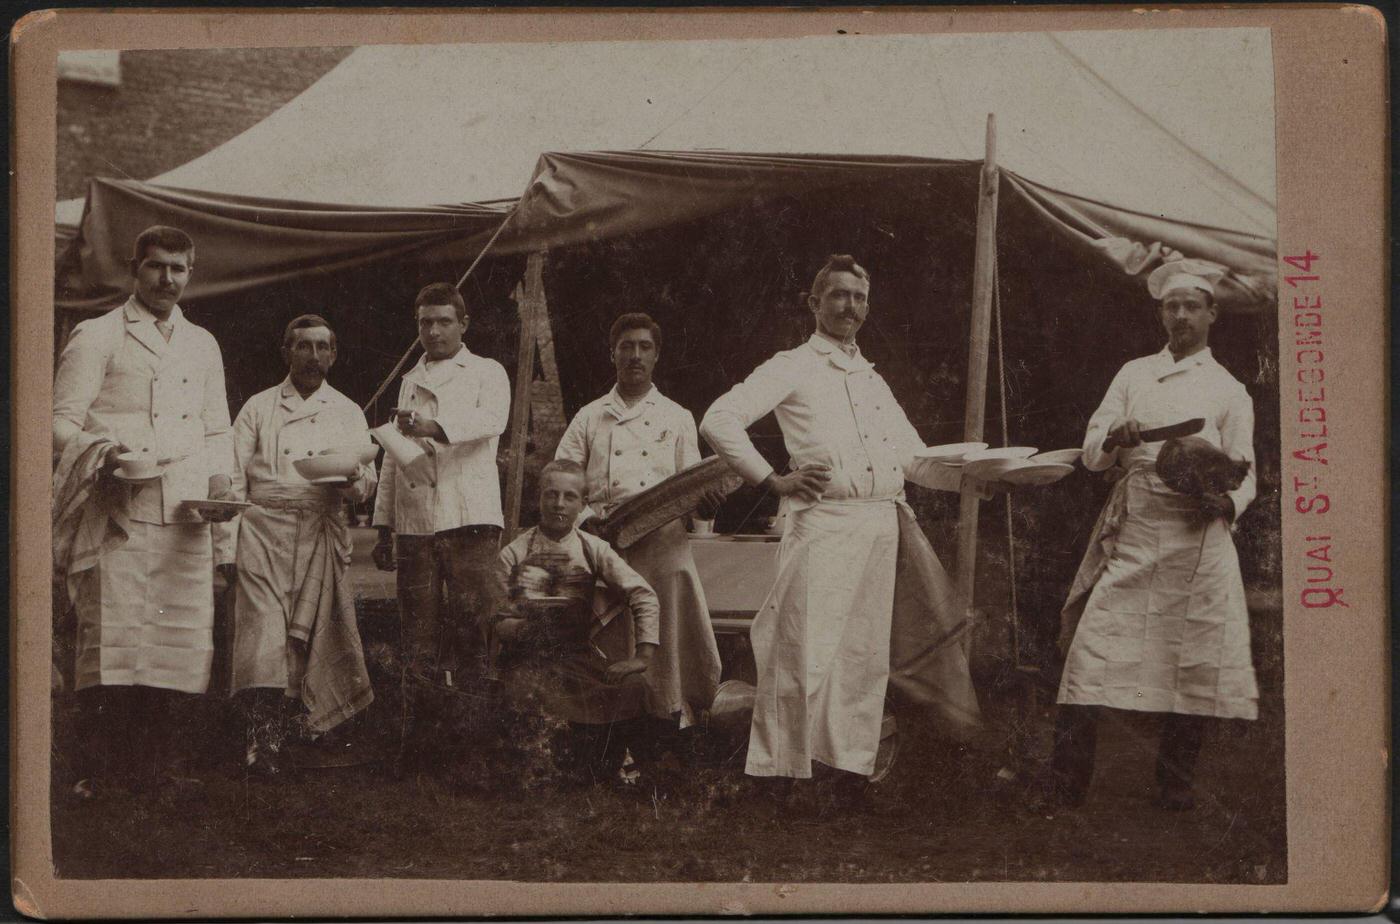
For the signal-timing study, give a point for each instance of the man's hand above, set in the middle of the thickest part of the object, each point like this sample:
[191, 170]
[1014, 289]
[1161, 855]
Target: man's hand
[220, 487]
[710, 502]
[383, 553]
[807, 483]
[1124, 434]
[1214, 506]
[619, 671]
[412, 423]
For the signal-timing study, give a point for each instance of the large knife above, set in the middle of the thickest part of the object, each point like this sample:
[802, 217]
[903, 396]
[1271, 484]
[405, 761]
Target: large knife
[1171, 431]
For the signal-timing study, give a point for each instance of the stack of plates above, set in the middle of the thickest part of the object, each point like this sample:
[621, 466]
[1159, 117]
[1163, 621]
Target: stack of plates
[991, 464]
[950, 453]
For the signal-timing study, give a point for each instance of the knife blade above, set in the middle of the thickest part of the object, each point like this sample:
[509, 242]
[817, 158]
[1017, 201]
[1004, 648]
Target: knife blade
[1171, 431]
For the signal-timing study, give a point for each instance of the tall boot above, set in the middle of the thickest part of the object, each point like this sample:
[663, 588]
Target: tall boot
[1177, 751]
[1072, 757]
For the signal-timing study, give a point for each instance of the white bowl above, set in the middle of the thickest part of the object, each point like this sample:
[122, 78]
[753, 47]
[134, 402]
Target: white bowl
[328, 465]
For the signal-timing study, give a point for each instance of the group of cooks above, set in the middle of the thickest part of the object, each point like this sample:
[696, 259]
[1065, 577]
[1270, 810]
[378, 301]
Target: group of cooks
[860, 609]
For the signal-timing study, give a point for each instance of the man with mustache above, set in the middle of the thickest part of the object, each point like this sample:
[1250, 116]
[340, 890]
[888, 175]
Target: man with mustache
[295, 636]
[139, 565]
[1156, 618]
[627, 441]
[440, 520]
[841, 622]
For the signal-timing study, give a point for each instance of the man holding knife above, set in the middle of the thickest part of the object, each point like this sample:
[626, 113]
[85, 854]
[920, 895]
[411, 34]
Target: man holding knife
[1156, 618]
[440, 519]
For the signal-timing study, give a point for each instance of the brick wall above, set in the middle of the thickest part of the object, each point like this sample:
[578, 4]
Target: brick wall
[173, 106]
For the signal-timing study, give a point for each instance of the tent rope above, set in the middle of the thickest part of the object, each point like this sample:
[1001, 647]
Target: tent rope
[408, 353]
[1006, 441]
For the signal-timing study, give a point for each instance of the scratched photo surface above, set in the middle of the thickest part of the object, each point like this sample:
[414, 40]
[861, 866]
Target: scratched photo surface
[704, 183]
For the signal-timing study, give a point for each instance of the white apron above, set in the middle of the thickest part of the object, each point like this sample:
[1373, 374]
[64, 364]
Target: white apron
[821, 641]
[685, 668]
[146, 611]
[1164, 625]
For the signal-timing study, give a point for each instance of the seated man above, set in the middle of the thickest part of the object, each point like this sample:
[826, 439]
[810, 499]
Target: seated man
[558, 656]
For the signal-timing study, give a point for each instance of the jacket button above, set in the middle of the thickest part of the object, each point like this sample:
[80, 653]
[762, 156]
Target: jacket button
[869, 469]
[310, 453]
[644, 452]
[617, 452]
[616, 483]
[184, 381]
[646, 423]
[155, 415]
[184, 416]
[286, 452]
[412, 485]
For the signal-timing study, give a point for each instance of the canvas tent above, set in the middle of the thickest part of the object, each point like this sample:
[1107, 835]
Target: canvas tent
[718, 245]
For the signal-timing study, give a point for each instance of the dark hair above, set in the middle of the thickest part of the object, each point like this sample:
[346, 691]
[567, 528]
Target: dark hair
[441, 293]
[635, 320]
[164, 237]
[301, 323]
[837, 263]
[567, 466]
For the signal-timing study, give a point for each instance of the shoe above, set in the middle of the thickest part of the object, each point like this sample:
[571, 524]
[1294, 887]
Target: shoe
[264, 761]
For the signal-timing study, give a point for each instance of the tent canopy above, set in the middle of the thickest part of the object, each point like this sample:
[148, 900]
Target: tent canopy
[246, 244]
[417, 125]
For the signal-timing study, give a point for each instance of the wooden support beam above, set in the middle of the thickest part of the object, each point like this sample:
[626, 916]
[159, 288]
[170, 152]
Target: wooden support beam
[530, 302]
[974, 415]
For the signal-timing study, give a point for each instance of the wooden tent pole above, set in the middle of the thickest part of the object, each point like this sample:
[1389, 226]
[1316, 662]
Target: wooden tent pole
[529, 300]
[983, 280]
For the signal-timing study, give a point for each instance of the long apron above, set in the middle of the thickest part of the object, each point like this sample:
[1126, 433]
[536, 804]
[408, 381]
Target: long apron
[821, 640]
[146, 611]
[685, 668]
[1164, 627]
[293, 554]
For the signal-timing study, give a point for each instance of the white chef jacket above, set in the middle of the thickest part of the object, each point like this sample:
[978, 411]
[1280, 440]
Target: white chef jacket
[277, 426]
[469, 396]
[626, 450]
[1157, 390]
[833, 408]
[119, 378]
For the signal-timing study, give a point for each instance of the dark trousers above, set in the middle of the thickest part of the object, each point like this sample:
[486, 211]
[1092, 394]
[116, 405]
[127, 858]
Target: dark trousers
[1076, 738]
[446, 591]
[129, 734]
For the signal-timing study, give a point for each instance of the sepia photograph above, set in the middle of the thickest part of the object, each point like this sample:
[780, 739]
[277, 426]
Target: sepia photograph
[841, 458]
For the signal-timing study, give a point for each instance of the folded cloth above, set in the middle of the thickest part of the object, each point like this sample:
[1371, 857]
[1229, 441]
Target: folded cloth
[87, 522]
[293, 555]
[928, 651]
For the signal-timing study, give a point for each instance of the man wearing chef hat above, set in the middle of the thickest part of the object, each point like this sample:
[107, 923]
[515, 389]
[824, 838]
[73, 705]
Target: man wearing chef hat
[1156, 620]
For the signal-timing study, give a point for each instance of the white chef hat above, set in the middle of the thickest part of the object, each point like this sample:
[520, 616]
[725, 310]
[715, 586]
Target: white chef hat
[1184, 274]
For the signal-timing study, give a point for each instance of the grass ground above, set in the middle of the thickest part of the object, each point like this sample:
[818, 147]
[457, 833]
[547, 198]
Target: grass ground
[949, 815]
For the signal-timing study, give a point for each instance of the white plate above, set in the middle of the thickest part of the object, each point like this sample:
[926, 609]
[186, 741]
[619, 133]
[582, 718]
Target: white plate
[1066, 456]
[331, 479]
[142, 480]
[1005, 452]
[949, 452]
[1033, 473]
[991, 469]
[215, 506]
